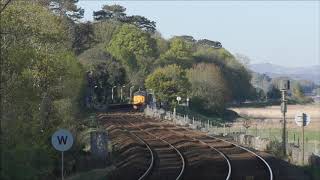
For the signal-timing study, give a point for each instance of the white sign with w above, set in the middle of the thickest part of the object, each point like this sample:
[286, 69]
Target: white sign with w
[62, 140]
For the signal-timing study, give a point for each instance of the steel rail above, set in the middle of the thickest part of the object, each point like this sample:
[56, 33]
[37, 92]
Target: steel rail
[147, 172]
[229, 164]
[215, 149]
[261, 158]
[173, 147]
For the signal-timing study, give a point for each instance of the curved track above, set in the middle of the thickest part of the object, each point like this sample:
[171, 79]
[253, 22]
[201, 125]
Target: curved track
[181, 153]
[166, 161]
[166, 165]
[147, 172]
[228, 176]
[256, 166]
[265, 163]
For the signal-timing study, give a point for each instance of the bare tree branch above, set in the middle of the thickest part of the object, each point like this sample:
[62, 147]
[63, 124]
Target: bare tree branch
[5, 5]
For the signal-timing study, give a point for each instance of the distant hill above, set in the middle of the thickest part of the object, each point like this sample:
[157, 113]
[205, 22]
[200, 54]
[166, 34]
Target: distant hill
[311, 73]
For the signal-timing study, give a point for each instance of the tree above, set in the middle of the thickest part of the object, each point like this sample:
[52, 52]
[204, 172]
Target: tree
[117, 13]
[208, 87]
[298, 94]
[66, 8]
[84, 37]
[161, 43]
[104, 31]
[4, 6]
[238, 80]
[179, 52]
[206, 42]
[237, 77]
[274, 93]
[105, 76]
[142, 23]
[187, 38]
[132, 46]
[41, 82]
[168, 83]
[259, 95]
[261, 81]
[105, 72]
[297, 91]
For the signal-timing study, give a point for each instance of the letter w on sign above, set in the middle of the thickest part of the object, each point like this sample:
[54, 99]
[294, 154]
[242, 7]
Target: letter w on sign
[62, 139]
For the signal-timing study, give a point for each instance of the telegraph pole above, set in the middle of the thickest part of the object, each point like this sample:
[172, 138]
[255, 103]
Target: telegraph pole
[285, 86]
[112, 92]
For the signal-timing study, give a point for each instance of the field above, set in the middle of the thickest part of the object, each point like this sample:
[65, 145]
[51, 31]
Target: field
[267, 122]
[271, 116]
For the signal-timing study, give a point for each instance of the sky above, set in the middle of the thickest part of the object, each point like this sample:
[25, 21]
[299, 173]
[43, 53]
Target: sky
[285, 33]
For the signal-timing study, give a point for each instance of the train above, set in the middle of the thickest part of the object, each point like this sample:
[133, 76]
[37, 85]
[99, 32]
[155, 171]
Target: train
[140, 99]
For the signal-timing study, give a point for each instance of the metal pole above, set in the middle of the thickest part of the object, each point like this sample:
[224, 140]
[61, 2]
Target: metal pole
[188, 102]
[131, 92]
[284, 109]
[62, 177]
[121, 93]
[112, 93]
[284, 134]
[302, 144]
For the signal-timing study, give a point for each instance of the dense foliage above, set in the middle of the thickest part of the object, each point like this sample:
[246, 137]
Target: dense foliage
[41, 86]
[209, 88]
[168, 83]
[132, 47]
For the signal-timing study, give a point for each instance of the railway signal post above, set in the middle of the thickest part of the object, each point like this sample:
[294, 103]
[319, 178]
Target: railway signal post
[302, 120]
[285, 85]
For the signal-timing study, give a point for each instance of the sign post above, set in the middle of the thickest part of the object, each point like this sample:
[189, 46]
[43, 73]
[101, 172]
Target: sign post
[178, 99]
[62, 140]
[302, 120]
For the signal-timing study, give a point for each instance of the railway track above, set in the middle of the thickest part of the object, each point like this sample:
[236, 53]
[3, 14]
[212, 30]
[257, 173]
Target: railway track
[136, 157]
[257, 166]
[166, 161]
[264, 163]
[178, 152]
[152, 155]
[188, 149]
[169, 163]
